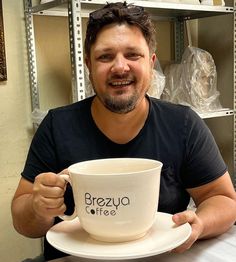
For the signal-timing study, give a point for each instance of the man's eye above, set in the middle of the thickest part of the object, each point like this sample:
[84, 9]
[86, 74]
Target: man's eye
[105, 57]
[133, 56]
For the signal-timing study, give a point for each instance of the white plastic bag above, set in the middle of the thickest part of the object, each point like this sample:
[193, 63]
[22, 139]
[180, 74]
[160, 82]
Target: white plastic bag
[158, 82]
[193, 82]
[37, 116]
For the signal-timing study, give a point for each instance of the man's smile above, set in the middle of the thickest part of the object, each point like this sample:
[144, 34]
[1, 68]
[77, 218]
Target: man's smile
[120, 83]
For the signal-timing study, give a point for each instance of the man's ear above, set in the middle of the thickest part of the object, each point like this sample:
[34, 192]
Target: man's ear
[88, 63]
[153, 59]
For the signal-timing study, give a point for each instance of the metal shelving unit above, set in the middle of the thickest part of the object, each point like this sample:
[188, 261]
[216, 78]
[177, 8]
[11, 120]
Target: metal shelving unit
[77, 9]
[73, 9]
[159, 9]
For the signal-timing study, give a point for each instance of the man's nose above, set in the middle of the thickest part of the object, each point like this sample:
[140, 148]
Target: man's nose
[120, 65]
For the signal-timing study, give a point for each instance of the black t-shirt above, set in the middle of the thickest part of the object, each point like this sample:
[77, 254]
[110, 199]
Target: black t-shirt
[172, 134]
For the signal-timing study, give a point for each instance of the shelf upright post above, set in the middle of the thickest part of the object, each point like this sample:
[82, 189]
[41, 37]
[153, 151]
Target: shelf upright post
[179, 40]
[76, 50]
[31, 53]
[234, 87]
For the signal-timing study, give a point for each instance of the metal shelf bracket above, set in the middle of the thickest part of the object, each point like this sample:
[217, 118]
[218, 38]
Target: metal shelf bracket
[76, 49]
[31, 54]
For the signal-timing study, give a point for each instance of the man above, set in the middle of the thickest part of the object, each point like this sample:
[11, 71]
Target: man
[122, 121]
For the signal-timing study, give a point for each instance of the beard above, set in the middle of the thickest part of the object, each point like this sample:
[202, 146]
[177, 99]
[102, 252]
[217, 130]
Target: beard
[121, 103]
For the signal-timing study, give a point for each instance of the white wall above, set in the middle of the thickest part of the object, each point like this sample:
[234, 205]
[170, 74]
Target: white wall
[216, 35]
[15, 131]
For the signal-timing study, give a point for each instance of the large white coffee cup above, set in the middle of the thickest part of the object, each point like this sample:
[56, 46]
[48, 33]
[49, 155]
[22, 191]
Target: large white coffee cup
[116, 199]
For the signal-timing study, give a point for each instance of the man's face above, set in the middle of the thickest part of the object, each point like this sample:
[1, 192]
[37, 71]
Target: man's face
[120, 66]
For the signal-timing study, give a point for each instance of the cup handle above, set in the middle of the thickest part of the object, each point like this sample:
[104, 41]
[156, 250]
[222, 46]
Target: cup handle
[74, 215]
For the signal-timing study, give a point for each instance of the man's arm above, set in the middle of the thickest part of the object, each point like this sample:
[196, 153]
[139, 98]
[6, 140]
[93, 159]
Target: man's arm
[35, 205]
[216, 210]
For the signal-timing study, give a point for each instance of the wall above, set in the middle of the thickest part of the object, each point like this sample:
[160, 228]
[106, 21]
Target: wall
[53, 61]
[15, 131]
[217, 38]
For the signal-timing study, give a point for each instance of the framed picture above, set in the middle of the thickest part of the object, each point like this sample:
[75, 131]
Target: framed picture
[3, 66]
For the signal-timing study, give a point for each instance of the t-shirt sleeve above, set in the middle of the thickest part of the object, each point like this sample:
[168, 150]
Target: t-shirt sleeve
[204, 162]
[42, 154]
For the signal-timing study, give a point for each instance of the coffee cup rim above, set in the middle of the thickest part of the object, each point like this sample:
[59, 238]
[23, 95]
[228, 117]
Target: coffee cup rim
[74, 167]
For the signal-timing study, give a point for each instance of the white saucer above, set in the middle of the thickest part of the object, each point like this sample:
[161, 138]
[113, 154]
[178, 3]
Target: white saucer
[69, 237]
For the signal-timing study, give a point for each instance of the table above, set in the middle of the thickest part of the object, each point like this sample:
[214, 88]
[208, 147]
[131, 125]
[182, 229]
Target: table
[219, 249]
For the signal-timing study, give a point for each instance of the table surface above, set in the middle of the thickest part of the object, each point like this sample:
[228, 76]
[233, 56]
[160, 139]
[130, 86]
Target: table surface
[221, 248]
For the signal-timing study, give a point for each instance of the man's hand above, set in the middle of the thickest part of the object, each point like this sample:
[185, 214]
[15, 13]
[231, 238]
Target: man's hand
[196, 224]
[215, 213]
[35, 205]
[48, 195]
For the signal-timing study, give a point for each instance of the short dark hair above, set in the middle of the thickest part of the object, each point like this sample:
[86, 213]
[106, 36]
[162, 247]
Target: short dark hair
[120, 13]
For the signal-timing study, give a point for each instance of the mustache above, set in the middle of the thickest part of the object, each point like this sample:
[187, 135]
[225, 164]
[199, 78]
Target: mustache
[123, 76]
